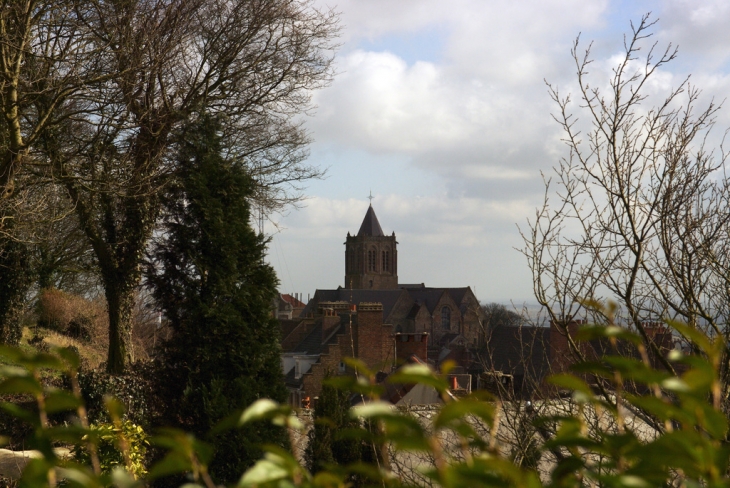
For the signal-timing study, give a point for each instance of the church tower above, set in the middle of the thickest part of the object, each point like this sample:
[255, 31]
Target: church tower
[371, 258]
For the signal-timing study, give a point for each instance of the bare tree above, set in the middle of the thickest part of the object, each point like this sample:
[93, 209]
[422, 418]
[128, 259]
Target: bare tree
[41, 57]
[158, 64]
[640, 213]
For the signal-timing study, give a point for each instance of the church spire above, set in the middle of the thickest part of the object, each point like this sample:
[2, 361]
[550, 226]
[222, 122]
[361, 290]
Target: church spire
[370, 225]
[371, 257]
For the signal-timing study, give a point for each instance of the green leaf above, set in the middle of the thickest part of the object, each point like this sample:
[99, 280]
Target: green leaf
[264, 471]
[359, 366]
[695, 336]
[264, 409]
[21, 413]
[21, 384]
[172, 463]
[607, 332]
[61, 400]
[70, 356]
[418, 374]
[675, 384]
[461, 409]
[372, 409]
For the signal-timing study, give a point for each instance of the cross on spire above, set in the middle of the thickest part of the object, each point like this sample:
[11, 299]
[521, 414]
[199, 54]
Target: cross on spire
[371, 197]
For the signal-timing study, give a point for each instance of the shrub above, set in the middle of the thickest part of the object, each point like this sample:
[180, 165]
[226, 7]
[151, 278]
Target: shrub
[73, 315]
[137, 390]
[113, 443]
[691, 450]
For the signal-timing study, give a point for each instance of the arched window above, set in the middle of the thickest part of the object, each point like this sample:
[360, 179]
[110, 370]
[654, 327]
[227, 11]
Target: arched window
[386, 261]
[446, 318]
[372, 260]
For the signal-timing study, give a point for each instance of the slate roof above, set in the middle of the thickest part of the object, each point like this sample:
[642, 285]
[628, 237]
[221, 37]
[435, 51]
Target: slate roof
[387, 297]
[421, 295]
[312, 344]
[430, 296]
[291, 380]
[370, 225]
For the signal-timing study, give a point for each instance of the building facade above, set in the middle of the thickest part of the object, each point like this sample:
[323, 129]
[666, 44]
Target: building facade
[376, 319]
[371, 257]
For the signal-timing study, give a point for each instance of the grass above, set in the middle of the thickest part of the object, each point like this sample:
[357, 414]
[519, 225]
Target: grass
[92, 355]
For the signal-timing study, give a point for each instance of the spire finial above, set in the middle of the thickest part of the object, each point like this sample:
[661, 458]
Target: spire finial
[371, 198]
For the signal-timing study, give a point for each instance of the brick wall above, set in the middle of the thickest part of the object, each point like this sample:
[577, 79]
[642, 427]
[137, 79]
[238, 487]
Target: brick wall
[369, 337]
[560, 355]
[660, 335]
[407, 345]
[330, 321]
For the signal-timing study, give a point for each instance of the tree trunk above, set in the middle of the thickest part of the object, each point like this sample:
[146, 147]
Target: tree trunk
[120, 300]
[14, 283]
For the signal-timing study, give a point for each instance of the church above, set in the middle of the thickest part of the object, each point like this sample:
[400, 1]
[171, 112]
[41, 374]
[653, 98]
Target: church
[376, 319]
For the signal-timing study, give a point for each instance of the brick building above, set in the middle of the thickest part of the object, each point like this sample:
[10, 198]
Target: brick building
[526, 355]
[376, 319]
[317, 346]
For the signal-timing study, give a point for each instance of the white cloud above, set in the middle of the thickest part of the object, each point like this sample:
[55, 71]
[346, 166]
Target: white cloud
[474, 118]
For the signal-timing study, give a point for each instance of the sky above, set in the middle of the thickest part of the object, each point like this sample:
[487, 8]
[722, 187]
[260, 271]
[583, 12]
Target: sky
[441, 110]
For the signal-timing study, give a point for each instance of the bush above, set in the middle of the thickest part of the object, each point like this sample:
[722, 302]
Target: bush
[692, 449]
[137, 390]
[73, 315]
[113, 443]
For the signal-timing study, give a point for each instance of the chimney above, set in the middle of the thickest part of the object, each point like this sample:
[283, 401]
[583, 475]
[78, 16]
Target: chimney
[330, 321]
[561, 357]
[410, 344]
[370, 340]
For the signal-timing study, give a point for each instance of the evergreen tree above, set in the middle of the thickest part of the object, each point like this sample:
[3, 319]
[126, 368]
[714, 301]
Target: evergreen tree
[326, 445]
[208, 275]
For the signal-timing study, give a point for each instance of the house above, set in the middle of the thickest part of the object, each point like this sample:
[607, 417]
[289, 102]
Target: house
[316, 348]
[518, 358]
[287, 307]
[376, 319]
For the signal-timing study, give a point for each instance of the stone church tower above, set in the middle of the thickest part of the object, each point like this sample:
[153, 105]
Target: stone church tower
[371, 258]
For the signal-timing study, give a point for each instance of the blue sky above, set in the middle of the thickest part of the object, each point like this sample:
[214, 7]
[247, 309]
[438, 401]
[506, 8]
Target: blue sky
[441, 109]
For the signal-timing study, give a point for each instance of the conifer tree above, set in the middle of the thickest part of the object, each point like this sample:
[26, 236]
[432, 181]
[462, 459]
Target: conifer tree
[208, 275]
[326, 444]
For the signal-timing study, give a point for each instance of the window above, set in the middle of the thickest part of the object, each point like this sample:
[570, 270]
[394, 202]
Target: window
[386, 261]
[446, 318]
[372, 260]
[342, 367]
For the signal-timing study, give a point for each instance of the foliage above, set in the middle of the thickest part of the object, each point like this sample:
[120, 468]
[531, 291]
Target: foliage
[497, 315]
[328, 443]
[114, 443]
[72, 315]
[690, 450]
[209, 278]
[138, 390]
